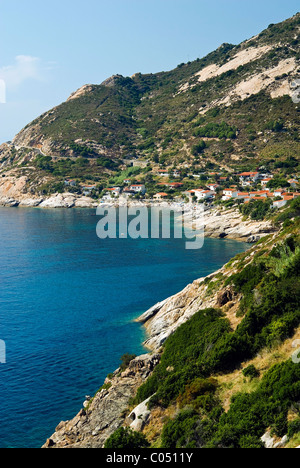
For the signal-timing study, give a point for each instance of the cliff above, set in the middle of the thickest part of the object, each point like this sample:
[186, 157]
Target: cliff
[104, 413]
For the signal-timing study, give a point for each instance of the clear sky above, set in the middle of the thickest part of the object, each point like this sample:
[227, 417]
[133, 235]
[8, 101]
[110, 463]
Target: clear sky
[48, 49]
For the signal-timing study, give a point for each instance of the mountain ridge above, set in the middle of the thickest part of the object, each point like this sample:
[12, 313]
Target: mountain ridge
[159, 117]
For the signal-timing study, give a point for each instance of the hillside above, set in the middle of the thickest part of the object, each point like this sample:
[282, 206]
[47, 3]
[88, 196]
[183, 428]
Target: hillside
[231, 110]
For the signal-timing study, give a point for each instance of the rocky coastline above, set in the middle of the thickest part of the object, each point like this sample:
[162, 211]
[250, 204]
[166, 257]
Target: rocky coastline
[216, 222]
[108, 409]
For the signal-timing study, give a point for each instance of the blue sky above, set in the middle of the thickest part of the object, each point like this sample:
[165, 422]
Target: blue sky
[49, 49]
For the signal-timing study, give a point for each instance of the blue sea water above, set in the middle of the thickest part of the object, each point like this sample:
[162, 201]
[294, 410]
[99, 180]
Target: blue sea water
[68, 301]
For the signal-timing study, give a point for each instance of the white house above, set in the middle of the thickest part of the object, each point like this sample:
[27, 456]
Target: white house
[87, 189]
[163, 172]
[229, 193]
[140, 188]
[293, 183]
[213, 187]
[264, 182]
[202, 194]
[279, 203]
[71, 183]
[176, 173]
[113, 191]
[246, 178]
[260, 193]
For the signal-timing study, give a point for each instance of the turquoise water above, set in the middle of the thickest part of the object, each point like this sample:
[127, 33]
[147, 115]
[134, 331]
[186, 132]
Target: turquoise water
[67, 305]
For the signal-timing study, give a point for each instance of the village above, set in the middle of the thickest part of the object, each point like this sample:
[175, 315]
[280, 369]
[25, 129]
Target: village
[207, 187]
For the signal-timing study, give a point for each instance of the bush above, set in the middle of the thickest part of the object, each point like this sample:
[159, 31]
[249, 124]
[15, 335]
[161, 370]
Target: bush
[293, 428]
[215, 130]
[187, 353]
[186, 431]
[198, 148]
[125, 438]
[251, 372]
[126, 358]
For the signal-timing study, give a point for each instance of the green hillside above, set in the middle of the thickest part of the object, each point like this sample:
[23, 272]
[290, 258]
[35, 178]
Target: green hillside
[237, 99]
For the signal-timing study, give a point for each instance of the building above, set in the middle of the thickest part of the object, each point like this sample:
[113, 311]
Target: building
[293, 183]
[140, 188]
[243, 195]
[115, 191]
[279, 203]
[87, 189]
[201, 194]
[160, 196]
[176, 173]
[174, 185]
[229, 193]
[247, 178]
[260, 193]
[71, 183]
[163, 172]
[213, 187]
[264, 182]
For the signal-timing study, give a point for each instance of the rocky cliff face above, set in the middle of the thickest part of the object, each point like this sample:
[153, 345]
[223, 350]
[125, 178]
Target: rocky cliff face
[106, 411]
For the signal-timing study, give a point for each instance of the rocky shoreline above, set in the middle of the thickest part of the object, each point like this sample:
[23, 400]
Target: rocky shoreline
[65, 200]
[216, 222]
[106, 412]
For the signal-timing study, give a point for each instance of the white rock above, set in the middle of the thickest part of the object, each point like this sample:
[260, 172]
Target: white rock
[268, 440]
[139, 416]
[59, 201]
[282, 442]
[31, 202]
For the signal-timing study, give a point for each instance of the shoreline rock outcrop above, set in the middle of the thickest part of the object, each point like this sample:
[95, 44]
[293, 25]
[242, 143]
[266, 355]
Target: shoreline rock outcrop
[104, 413]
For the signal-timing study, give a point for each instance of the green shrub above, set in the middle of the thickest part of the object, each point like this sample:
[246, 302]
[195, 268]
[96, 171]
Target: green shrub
[125, 438]
[251, 372]
[186, 353]
[215, 130]
[187, 430]
[293, 428]
[126, 358]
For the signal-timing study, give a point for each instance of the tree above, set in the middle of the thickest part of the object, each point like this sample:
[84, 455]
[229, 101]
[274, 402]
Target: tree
[198, 148]
[277, 182]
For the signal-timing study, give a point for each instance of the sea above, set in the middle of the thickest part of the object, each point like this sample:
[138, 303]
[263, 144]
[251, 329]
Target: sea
[68, 304]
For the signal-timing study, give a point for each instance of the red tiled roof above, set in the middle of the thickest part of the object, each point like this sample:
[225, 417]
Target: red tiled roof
[248, 173]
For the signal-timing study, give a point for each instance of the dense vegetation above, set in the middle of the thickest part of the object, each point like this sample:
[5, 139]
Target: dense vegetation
[206, 346]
